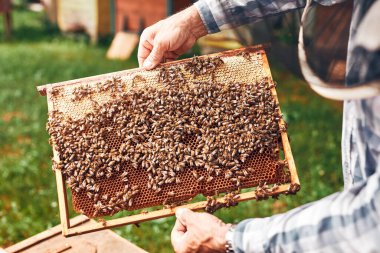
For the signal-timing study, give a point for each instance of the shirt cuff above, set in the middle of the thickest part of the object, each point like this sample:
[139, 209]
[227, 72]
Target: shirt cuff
[250, 235]
[207, 16]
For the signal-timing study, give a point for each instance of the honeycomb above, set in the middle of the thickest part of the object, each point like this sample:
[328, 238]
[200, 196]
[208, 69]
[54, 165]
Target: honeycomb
[71, 100]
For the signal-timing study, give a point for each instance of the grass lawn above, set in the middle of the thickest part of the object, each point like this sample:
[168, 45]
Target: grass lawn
[28, 200]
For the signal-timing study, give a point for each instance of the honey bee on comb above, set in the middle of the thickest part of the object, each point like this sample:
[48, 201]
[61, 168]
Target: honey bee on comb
[245, 55]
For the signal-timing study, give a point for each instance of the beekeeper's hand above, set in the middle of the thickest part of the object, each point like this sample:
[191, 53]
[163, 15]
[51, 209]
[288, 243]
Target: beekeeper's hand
[169, 38]
[198, 232]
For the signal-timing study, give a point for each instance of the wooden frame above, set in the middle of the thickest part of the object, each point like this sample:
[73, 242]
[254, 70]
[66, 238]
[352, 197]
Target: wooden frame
[69, 230]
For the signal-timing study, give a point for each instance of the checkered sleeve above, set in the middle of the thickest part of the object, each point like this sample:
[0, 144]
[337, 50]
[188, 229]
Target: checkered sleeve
[224, 14]
[347, 221]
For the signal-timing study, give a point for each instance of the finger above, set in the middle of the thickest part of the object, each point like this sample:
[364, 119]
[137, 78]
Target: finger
[177, 236]
[155, 57]
[145, 48]
[178, 231]
[169, 59]
[185, 216]
[145, 44]
[170, 55]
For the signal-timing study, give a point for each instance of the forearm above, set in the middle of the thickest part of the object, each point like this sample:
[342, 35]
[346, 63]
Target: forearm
[190, 20]
[334, 224]
[225, 14]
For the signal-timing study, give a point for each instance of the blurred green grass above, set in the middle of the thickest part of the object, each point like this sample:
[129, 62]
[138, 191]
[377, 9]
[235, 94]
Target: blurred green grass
[38, 54]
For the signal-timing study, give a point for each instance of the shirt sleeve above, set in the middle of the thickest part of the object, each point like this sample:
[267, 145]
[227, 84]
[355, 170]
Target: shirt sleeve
[347, 221]
[225, 14]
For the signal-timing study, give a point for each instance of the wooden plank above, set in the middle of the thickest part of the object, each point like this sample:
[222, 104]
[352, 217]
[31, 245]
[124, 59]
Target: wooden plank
[52, 241]
[31, 241]
[87, 228]
[122, 45]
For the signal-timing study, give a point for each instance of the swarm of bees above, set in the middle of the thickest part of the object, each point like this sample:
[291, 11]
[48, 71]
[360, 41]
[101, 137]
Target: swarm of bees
[263, 191]
[230, 199]
[226, 123]
[198, 66]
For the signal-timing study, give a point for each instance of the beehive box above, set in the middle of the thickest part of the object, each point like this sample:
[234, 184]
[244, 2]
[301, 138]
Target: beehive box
[136, 139]
[91, 16]
[134, 15]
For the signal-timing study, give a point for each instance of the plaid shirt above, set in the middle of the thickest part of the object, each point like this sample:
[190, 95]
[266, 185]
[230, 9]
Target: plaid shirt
[347, 221]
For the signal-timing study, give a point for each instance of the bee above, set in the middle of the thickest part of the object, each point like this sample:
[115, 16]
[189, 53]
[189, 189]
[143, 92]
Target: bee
[245, 54]
[228, 174]
[200, 179]
[294, 188]
[130, 202]
[209, 179]
[55, 92]
[195, 174]
[217, 172]
[90, 195]
[274, 188]
[283, 163]
[138, 79]
[103, 221]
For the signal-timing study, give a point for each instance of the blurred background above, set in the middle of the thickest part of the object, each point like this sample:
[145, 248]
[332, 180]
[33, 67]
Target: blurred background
[56, 40]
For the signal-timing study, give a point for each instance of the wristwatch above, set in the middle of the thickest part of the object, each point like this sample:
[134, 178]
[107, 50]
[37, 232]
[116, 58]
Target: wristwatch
[229, 238]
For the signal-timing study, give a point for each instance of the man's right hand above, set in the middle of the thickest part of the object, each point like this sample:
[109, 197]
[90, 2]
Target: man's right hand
[198, 232]
[169, 38]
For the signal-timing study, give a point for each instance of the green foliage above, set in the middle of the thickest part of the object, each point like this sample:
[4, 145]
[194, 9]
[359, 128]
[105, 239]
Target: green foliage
[39, 54]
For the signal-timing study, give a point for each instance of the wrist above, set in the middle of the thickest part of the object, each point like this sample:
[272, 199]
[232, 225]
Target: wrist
[221, 238]
[229, 247]
[191, 19]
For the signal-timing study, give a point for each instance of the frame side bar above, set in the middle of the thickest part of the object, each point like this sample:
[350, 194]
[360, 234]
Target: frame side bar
[61, 187]
[62, 201]
[284, 136]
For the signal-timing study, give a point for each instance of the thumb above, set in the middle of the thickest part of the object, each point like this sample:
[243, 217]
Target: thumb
[154, 58]
[184, 216]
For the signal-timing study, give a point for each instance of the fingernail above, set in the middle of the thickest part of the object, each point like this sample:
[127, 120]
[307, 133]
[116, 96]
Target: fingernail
[147, 64]
[179, 212]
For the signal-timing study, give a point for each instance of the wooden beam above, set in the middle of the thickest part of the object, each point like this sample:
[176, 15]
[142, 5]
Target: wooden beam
[34, 240]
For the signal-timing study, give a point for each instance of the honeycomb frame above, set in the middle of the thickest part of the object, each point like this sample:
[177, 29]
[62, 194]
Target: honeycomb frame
[286, 185]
